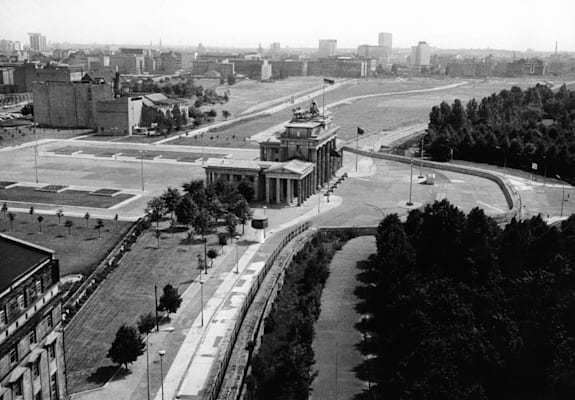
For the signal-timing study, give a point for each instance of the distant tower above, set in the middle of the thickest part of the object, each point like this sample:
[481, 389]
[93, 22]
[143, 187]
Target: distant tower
[327, 48]
[555, 47]
[160, 43]
[37, 42]
[385, 39]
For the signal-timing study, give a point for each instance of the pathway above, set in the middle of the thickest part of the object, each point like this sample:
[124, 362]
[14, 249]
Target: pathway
[336, 338]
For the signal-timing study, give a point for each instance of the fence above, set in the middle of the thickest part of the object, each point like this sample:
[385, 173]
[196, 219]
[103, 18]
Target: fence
[214, 382]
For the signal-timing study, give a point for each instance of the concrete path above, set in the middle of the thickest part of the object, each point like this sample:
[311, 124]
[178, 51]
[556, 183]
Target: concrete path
[336, 338]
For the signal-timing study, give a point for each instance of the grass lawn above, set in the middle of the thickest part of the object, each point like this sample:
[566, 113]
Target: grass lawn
[78, 253]
[126, 294]
[17, 136]
[82, 198]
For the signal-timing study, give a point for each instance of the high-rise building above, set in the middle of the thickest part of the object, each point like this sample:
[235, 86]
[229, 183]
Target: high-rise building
[31, 342]
[327, 48]
[37, 42]
[420, 55]
[385, 39]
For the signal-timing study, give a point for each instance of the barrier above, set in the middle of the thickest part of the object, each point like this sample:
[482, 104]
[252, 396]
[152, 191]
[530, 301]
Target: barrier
[215, 381]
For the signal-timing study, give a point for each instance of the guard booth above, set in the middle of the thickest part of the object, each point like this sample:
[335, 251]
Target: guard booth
[260, 224]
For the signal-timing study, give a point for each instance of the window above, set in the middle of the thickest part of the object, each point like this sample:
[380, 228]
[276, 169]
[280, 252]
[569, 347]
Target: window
[54, 386]
[50, 320]
[36, 368]
[32, 336]
[17, 387]
[52, 351]
[21, 301]
[3, 320]
[39, 286]
[14, 355]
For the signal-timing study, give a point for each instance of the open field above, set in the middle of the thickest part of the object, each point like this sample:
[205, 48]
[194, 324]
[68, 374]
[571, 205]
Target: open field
[26, 194]
[17, 136]
[78, 253]
[128, 152]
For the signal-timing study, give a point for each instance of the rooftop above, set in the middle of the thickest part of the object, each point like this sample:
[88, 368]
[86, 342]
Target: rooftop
[17, 257]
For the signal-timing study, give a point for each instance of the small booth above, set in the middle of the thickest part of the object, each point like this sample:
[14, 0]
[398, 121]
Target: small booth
[260, 223]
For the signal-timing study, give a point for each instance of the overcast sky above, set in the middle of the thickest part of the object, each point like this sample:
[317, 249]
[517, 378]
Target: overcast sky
[498, 24]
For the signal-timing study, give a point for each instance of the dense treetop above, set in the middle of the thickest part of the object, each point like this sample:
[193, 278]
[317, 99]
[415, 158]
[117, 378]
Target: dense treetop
[516, 126]
[464, 309]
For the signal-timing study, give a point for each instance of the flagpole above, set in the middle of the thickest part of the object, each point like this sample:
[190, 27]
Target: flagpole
[323, 99]
[356, 147]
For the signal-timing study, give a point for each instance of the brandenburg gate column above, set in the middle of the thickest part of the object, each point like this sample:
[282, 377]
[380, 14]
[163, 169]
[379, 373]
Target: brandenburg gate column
[288, 198]
[278, 181]
[268, 183]
[257, 187]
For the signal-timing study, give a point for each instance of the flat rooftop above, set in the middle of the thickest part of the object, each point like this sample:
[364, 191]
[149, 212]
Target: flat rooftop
[17, 257]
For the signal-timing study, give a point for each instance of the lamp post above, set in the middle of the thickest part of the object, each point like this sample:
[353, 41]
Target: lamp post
[562, 193]
[265, 208]
[205, 256]
[35, 154]
[421, 161]
[142, 167]
[162, 353]
[410, 203]
[201, 300]
[237, 237]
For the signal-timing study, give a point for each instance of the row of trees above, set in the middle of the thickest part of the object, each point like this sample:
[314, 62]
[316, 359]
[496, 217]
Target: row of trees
[282, 367]
[203, 206]
[517, 127]
[60, 214]
[465, 309]
[129, 344]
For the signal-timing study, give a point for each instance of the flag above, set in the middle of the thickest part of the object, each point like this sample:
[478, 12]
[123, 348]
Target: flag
[328, 81]
[360, 131]
[333, 153]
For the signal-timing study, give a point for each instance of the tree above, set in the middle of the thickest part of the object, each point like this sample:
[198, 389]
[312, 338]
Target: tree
[222, 241]
[116, 217]
[127, 346]
[158, 235]
[59, 214]
[185, 210]
[231, 80]
[170, 300]
[211, 255]
[146, 323]
[4, 209]
[171, 197]
[225, 114]
[155, 209]
[246, 189]
[69, 224]
[40, 219]
[99, 225]
[243, 212]
[11, 217]
[31, 212]
[87, 218]
[231, 222]
[202, 222]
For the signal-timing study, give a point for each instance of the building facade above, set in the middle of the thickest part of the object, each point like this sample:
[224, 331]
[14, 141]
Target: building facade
[293, 164]
[32, 363]
[327, 48]
[37, 42]
[421, 55]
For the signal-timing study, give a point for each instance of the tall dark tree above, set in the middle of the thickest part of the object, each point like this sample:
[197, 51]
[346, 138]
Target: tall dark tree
[170, 300]
[127, 346]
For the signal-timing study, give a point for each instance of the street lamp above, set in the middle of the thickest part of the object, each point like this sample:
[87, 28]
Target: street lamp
[142, 167]
[421, 163]
[264, 207]
[162, 353]
[205, 256]
[410, 203]
[237, 237]
[201, 299]
[562, 193]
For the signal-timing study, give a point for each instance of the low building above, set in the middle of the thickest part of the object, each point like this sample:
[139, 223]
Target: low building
[293, 164]
[32, 363]
[266, 71]
[120, 115]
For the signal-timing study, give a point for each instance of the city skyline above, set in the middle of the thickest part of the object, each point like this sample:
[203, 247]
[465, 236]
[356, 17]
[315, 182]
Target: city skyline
[513, 25]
